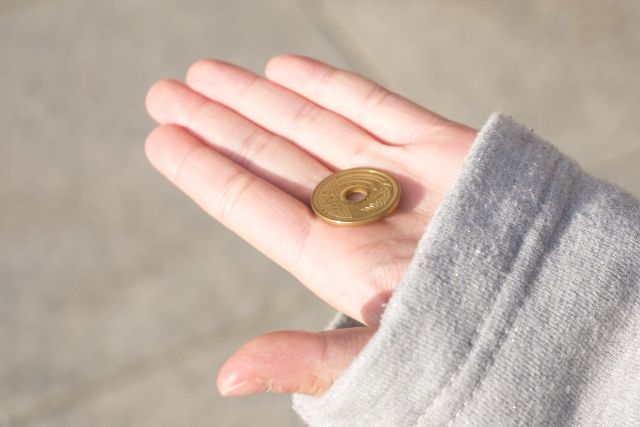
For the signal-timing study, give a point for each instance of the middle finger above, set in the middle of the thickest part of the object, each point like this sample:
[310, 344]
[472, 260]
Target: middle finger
[263, 153]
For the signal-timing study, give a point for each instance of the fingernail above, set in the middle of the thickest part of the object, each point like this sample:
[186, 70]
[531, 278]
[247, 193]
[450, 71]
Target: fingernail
[243, 388]
[238, 385]
[374, 309]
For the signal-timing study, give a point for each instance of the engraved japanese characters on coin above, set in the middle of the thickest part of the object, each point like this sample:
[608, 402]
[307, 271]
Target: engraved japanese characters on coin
[355, 197]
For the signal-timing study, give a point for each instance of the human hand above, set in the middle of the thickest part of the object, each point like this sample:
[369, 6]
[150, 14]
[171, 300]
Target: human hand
[250, 150]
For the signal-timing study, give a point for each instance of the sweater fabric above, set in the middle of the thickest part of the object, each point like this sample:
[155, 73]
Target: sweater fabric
[521, 305]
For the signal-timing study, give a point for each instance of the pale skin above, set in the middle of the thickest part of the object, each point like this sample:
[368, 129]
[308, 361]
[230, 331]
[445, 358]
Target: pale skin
[250, 149]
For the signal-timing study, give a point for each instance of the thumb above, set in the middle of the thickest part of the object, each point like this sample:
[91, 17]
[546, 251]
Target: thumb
[291, 361]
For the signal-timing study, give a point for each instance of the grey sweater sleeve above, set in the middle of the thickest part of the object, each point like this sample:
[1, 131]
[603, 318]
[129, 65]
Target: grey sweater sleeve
[520, 307]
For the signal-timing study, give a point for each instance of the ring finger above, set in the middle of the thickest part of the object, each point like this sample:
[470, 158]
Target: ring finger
[323, 133]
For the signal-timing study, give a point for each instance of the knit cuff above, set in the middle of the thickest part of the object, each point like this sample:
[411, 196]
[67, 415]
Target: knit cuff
[462, 289]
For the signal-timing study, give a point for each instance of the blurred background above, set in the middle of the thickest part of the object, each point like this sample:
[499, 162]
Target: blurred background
[119, 298]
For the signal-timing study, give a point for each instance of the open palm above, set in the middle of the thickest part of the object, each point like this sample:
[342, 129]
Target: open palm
[250, 150]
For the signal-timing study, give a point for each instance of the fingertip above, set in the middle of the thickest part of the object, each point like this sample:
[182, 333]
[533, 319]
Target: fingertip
[152, 93]
[234, 382]
[279, 61]
[248, 370]
[286, 65]
[204, 68]
[197, 68]
[158, 96]
[166, 145]
[153, 145]
[227, 378]
[275, 362]
[170, 101]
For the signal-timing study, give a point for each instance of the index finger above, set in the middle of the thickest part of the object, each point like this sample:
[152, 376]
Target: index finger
[274, 222]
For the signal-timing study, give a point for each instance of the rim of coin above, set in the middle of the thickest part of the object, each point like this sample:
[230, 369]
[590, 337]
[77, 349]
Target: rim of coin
[356, 196]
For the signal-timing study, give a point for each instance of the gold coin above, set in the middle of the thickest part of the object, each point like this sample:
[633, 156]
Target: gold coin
[355, 197]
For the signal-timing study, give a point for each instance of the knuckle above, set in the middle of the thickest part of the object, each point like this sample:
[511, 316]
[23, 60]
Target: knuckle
[247, 83]
[183, 164]
[252, 145]
[303, 242]
[375, 96]
[325, 81]
[303, 117]
[232, 191]
[200, 113]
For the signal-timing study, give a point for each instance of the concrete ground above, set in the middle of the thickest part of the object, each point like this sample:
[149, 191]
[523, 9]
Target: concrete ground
[119, 299]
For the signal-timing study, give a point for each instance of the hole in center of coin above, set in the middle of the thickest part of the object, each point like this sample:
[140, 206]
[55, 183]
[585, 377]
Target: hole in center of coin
[355, 194]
